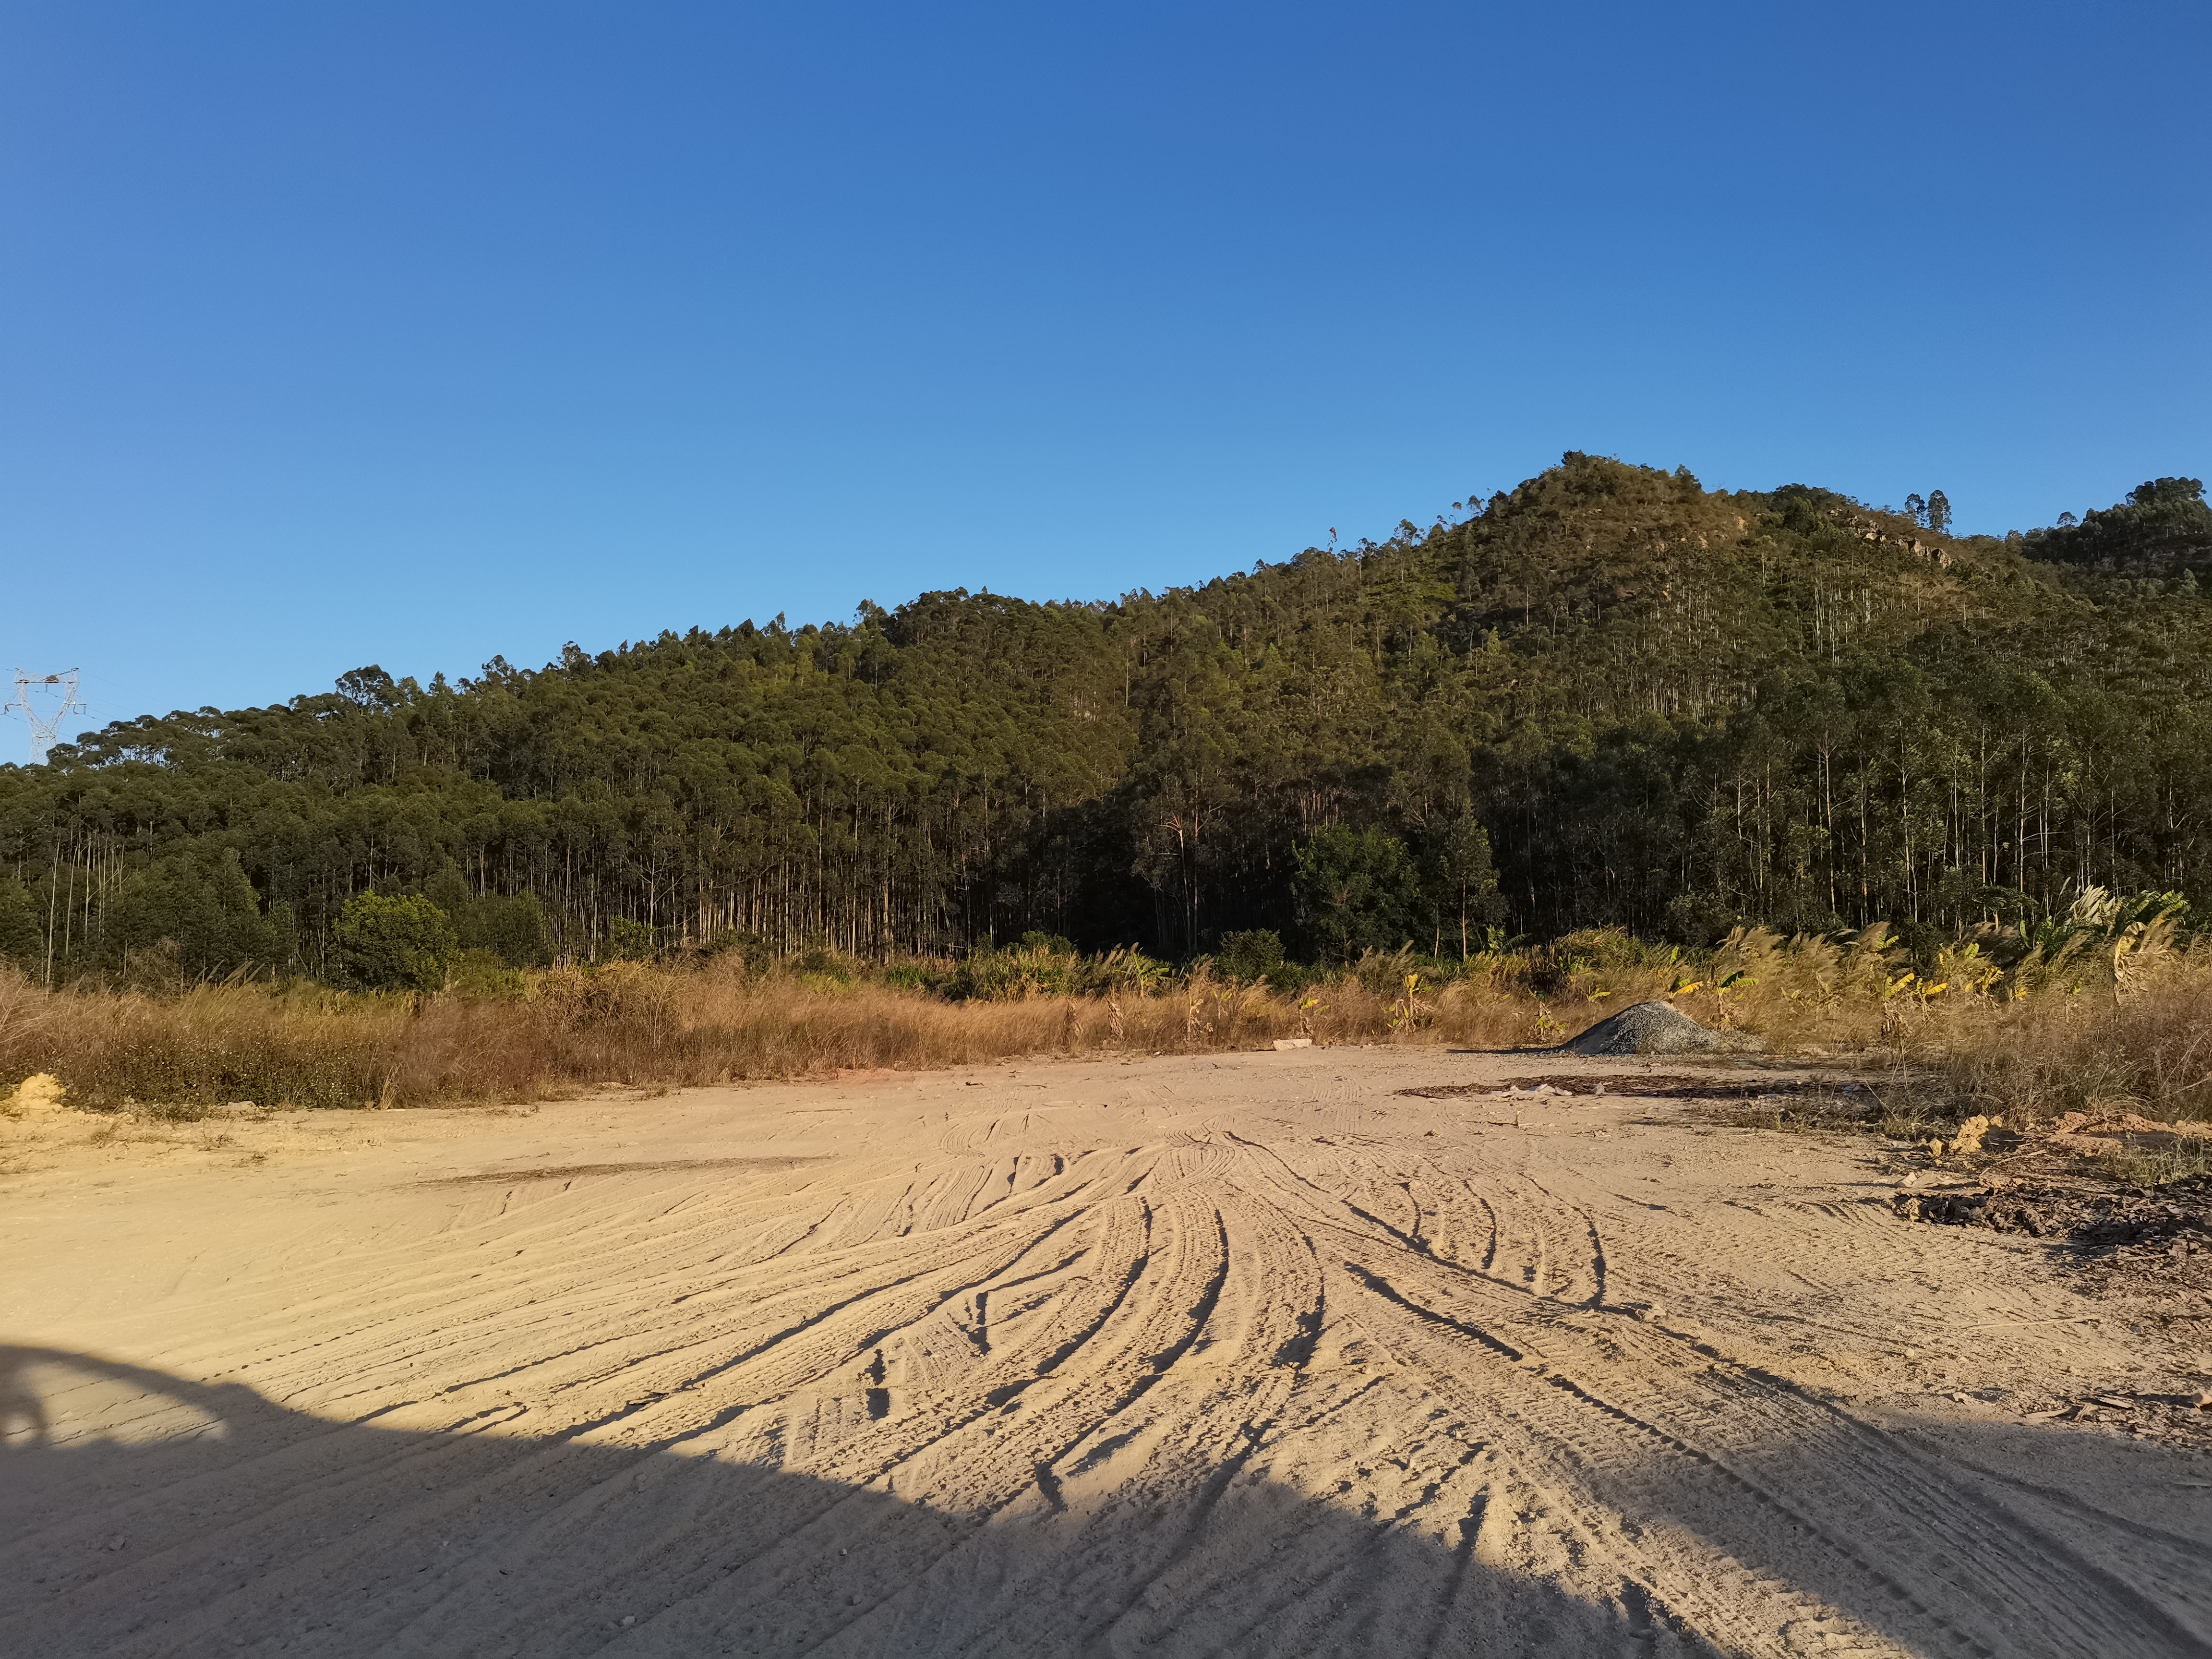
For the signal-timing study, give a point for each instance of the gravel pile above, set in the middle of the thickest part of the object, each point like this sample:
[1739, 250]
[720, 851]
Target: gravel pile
[1656, 1028]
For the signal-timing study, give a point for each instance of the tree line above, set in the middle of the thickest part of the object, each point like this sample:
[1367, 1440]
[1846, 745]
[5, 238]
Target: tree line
[1606, 697]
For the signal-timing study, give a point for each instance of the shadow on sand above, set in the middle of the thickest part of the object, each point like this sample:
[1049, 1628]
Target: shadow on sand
[209, 1519]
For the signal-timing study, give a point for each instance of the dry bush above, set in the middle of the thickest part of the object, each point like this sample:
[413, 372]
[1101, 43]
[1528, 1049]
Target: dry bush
[2148, 1051]
[1973, 1037]
[186, 1055]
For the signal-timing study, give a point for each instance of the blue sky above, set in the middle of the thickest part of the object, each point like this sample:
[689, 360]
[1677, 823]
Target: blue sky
[411, 334]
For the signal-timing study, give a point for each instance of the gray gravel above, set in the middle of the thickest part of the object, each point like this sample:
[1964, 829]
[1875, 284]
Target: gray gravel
[1656, 1028]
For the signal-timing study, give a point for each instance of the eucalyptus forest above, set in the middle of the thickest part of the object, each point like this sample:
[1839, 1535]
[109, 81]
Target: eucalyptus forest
[1608, 698]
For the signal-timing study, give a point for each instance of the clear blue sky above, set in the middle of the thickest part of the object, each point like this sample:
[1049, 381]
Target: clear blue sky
[337, 333]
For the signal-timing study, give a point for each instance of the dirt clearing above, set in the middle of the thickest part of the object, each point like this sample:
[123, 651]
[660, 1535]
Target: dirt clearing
[1372, 1352]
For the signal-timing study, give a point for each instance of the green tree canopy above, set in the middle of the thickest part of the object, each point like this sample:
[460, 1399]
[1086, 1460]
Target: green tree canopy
[1459, 879]
[1358, 891]
[200, 901]
[1662, 705]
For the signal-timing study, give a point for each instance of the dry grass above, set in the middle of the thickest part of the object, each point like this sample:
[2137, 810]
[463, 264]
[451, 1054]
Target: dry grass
[2048, 1032]
[212, 1046]
[1967, 1037]
[2146, 1166]
[2148, 1052]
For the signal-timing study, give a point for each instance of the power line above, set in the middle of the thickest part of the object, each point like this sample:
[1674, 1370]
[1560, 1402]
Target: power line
[43, 726]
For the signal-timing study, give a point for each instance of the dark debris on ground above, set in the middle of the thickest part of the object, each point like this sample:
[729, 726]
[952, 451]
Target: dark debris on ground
[2176, 1217]
[2142, 1254]
[2141, 1257]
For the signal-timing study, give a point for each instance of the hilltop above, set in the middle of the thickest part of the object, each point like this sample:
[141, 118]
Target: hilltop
[1660, 707]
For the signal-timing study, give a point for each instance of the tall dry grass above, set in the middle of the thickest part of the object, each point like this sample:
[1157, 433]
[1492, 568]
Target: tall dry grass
[629, 1023]
[2148, 1052]
[2117, 1018]
[2120, 1020]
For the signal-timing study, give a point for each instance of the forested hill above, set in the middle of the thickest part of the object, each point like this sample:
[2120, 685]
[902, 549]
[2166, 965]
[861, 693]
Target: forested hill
[1669, 708]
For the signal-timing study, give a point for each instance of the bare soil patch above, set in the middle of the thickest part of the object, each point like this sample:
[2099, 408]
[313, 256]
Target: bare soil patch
[1272, 1354]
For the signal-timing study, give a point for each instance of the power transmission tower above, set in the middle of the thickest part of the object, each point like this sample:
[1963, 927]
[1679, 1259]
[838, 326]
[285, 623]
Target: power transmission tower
[43, 726]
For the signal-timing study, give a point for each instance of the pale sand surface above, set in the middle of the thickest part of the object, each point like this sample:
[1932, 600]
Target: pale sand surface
[1226, 1354]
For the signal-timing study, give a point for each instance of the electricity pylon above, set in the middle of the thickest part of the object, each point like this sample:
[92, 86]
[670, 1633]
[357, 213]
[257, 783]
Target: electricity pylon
[43, 726]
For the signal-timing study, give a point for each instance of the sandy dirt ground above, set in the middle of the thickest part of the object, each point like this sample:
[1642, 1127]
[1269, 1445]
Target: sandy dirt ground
[1246, 1354]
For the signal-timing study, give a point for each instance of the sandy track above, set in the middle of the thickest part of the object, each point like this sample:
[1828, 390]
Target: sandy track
[1247, 1354]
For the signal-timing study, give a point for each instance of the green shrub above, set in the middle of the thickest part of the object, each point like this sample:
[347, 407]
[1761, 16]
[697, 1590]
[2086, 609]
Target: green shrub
[823, 963]
[1045, 964]
[388, 943]
[478, 972]
[1250, 955]
[913, 976]
[988, 976]
[512, 928]
[755, 951]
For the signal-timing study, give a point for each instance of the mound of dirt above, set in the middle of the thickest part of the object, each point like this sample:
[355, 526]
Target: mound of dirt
[39, 1093]
[1656, 1028]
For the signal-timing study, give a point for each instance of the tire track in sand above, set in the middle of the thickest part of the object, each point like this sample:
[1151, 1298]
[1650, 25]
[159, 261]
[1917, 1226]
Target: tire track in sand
[1087, 1380]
